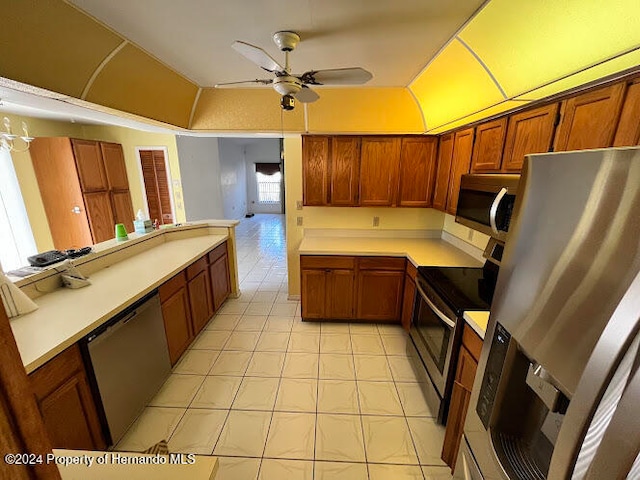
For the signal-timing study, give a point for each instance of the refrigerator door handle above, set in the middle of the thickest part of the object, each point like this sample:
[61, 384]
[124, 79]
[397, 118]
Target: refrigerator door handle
[494, 210]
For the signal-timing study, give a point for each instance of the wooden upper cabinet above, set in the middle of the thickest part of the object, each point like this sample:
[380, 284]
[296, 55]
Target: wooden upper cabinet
[88, 157]
[417, 171]
[487, 150]
[528, 132]
[100, 216]
[345, 171]
[628, 131]
[460, 163]
[441, 188]
[315, 170]
[589, 120]
[379, 165]
[114, 165]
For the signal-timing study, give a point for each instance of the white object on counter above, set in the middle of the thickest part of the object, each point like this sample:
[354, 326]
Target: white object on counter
[16, 302]
[478, 321]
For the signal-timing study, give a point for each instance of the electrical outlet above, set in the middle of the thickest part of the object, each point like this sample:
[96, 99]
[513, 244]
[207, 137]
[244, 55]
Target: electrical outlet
[298, 204]
[470, 235]
[376, 221]
[299, 221]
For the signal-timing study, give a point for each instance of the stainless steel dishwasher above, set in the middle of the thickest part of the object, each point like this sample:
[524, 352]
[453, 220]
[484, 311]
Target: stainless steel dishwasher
[130, 361]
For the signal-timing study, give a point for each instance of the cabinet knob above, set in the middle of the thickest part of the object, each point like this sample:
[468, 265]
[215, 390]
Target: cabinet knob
[76, 210]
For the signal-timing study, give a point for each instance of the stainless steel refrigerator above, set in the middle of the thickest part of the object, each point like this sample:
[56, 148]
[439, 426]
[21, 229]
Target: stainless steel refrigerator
[557, 392]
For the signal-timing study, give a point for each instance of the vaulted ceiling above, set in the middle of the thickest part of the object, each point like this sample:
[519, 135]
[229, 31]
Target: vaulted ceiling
[436, 63]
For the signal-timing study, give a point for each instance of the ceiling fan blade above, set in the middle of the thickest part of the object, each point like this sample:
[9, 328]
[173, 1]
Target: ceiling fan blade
[337, 76]
[306, 95]
[257, 80]
[257, 56]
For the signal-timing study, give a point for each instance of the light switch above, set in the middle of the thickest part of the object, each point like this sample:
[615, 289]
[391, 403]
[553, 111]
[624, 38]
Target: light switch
[376, 221]
[298, 204]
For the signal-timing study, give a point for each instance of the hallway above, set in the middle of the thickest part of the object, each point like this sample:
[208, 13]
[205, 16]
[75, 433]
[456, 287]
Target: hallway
[276, 398]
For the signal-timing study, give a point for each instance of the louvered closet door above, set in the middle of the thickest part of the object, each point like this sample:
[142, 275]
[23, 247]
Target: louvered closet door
[156, 184]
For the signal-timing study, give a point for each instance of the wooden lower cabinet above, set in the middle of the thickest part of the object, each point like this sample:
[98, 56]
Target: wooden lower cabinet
[461, 394]
[65, 401]
[220, 283]
[379, 295]
[408, 301]
[176, 313]
[200, 294]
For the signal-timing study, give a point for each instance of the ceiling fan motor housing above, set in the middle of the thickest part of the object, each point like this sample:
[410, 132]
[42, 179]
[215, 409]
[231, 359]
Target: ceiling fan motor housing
[286, 40]
[287, 85]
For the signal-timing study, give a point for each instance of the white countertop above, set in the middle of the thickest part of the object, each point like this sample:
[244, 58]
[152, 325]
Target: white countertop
[65, 316]
[478, 321]
[420, 251]
[118, 465]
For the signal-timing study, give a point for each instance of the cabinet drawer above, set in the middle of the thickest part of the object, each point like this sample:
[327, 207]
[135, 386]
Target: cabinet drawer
[196, 267]
[172, 285]
[381, 263]
[217, 252]
[472, 341]
[327, 261]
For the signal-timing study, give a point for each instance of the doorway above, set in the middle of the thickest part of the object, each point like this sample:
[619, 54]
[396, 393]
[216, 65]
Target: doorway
[156, 179]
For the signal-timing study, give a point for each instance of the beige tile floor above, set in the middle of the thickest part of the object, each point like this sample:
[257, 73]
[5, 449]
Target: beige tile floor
[277, 398]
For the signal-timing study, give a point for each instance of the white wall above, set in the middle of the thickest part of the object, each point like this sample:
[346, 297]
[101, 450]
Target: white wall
[263, 151]
[233, 179]
[200, 171]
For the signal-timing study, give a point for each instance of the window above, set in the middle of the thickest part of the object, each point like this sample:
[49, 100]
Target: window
[269, 187]
[16, 238]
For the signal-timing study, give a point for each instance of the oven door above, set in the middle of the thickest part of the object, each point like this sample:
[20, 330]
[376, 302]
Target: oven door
[434, 332]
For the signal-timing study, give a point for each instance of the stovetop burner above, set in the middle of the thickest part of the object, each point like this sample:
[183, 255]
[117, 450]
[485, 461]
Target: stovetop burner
[462, 288]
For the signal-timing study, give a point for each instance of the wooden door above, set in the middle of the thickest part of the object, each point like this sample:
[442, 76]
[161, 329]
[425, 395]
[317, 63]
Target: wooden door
[66, 403]
[487, 150]
[340, 294]
[589, 120]
[417, 171]
[528, 132]
[441, 187]
[628, 130]
[315, 170]
[200, 301]
[91, 171]
[314, 293]
[114, 165]
[379, 165]
[156, 185]
[460, 163]
[219, 274]
[100, 216]
[408, 301]
[123, 209]
[345, 171]
[59, 185]
[379, 295]
[177, 323]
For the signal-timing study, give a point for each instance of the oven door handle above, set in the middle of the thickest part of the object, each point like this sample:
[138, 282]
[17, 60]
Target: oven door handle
[494, 210]
[441, 315]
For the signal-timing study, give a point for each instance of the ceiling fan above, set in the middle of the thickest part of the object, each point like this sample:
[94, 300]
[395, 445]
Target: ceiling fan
[292, 86]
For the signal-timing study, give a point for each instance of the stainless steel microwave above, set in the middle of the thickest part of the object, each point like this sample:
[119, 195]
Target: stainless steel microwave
[486, 202]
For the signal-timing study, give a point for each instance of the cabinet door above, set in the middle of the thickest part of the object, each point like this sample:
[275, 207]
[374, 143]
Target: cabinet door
[441, 188]
[123, 209]
[66, 403]
[528, 132]
[177, 323]
[90, 165]
[315, 170]
[417, 171]
[379, 165]
[628, 130]
[487, 150]
[408, 301]
[314, 293]
[100, 216]
[220, 284]
[379, 295]
[114, 165]
[465, 375]
[345, 171]
[340, 294]
[461, 160]
[589, 120]
[199, 289]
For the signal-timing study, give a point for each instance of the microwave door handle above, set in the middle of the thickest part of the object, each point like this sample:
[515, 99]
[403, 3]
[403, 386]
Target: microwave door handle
[494, 210]
[441, 315]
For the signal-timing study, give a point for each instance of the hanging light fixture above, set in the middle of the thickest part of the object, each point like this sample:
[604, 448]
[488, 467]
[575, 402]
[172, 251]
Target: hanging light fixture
[7, 138]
